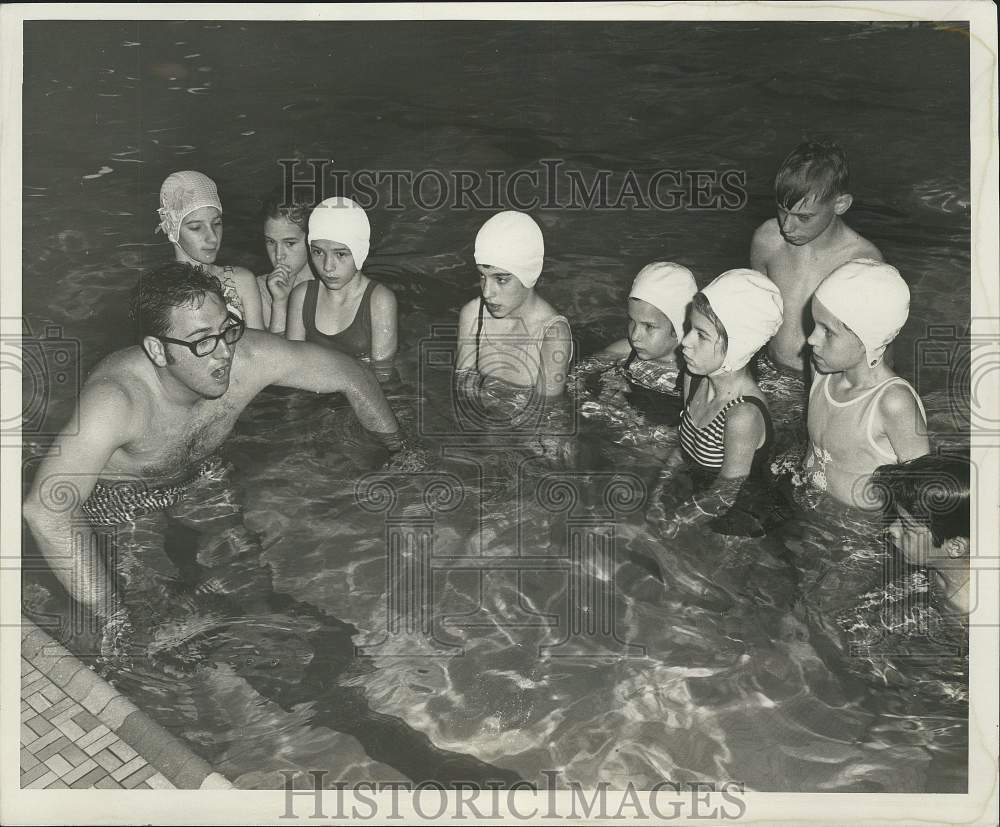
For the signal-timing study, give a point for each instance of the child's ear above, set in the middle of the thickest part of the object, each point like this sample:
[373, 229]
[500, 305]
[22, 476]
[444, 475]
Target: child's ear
[957, 547]
[842, 203]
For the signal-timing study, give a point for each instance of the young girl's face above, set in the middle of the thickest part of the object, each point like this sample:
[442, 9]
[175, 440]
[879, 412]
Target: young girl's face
[200, 235]
[502, 292]
[334, 263]
[286, 244]
[650, 332]
[835, 347]
[703, 349]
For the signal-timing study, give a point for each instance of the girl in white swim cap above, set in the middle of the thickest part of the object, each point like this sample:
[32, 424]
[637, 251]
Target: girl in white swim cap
[861, 414]
[342, 308]
[725, 429]
[510, 332]
[191, 217]
[646, 373]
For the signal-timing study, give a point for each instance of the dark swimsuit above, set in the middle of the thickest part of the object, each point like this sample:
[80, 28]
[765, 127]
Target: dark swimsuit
[755, 511]
[355, 339]
[660, 407]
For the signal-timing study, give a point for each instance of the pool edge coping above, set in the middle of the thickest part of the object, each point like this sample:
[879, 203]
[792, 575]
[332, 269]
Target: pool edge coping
[170, 756]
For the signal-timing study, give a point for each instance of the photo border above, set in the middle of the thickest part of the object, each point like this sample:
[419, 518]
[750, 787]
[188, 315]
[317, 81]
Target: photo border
[185, 807]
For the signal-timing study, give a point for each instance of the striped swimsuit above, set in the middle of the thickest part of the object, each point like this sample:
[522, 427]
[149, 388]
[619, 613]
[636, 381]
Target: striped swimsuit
[705, 447]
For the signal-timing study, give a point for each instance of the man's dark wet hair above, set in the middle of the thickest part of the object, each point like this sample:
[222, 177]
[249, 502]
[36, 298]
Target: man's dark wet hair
[173, 285]
[297, 212]
[934, 490]
[814, 169]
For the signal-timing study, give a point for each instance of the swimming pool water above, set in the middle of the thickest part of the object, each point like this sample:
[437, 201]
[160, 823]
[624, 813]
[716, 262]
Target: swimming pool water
[547, 628]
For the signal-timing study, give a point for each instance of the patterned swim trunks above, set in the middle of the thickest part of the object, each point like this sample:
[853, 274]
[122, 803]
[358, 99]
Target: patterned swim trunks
[113, 502]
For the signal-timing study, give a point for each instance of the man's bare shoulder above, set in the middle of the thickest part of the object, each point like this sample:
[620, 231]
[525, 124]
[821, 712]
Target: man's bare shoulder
[258, 345]
[119, 393]
[263, 358]
[124, 372]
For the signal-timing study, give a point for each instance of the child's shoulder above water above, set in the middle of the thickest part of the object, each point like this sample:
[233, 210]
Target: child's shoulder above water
[845, 244]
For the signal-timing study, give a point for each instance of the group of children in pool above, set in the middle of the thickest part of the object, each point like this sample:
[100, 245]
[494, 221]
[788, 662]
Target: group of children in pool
[863, 420]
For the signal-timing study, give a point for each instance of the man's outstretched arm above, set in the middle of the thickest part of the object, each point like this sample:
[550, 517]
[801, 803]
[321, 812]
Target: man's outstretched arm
[316, 368]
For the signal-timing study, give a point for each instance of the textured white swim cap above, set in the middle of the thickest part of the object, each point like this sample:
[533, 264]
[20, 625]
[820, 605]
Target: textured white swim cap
[749, 306]
[342, 220]
[513, 242]
[869, 297]
[182, 193]
[669, 288]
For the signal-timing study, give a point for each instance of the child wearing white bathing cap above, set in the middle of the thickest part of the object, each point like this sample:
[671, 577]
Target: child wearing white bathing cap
[191, 218]
[646, 365]
[861, 414]
[510, 332]
[342, 308]
[725, 429]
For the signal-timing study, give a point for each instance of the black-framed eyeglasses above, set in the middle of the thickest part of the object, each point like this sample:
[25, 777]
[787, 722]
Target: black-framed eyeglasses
[203, 347]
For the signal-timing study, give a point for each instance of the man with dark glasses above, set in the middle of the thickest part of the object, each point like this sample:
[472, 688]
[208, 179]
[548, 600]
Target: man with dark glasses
[150, 420]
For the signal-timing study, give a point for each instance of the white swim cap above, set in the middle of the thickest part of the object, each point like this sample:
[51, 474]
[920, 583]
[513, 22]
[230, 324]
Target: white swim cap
[669, 288]
[513, 242]
[749, 306]
[342, 220]
[869, 297]
[182, 193]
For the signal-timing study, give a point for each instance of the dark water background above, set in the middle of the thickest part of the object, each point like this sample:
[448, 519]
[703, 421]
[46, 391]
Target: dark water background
[724, 691]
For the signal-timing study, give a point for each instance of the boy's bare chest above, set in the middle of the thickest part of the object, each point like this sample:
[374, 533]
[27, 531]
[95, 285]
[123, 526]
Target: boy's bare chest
[798, 273]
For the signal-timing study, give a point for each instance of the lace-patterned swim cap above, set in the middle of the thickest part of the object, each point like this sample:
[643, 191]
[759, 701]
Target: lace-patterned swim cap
[183, 193]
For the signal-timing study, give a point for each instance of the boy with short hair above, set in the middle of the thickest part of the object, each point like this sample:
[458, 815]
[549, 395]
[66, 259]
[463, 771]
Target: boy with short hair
[861, 414]
[806, 242]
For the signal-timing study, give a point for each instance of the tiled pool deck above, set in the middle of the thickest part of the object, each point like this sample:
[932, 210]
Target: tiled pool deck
[78, 731]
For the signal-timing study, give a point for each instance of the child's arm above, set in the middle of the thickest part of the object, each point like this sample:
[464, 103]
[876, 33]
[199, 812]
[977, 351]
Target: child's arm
[760, 246]
[295, 329]
[904, 423]
[557, 350]
[249, 293]
[744, 434]
[384, 331]
[277, 284]
[465, 355]
[616, 350]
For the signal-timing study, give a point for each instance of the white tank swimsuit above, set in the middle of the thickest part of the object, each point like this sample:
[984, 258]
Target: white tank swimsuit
[837, 457]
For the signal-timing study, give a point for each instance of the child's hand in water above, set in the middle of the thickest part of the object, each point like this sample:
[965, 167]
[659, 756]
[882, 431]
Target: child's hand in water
[279, 283]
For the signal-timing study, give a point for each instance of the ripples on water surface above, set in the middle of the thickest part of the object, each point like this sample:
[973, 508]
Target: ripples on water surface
[709, 675]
